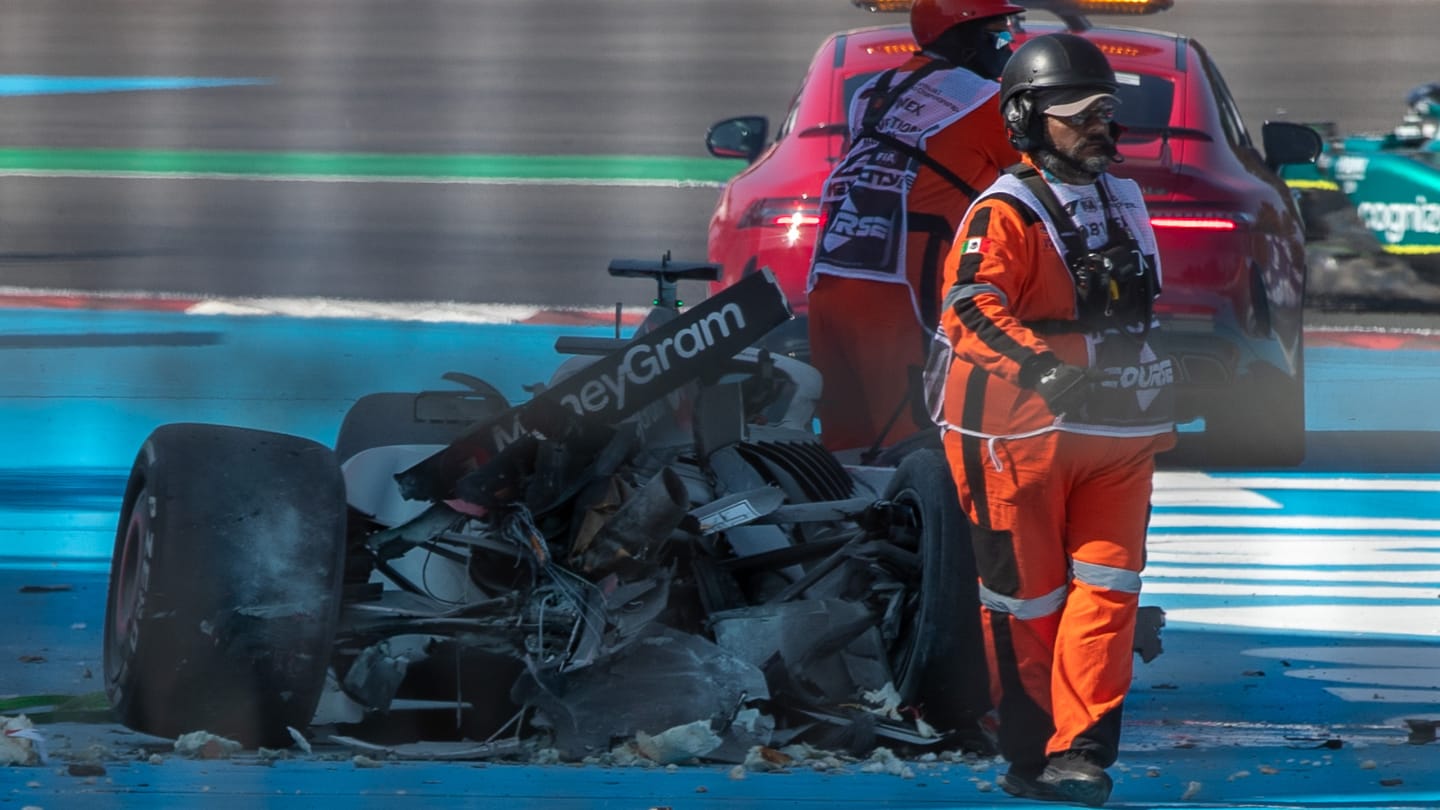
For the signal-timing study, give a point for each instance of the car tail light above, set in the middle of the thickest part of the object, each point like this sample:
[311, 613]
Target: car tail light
[1196, 221]
[795, 215]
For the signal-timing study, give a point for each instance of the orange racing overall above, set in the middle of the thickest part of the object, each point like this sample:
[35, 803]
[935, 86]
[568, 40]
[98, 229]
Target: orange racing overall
[1059, 504]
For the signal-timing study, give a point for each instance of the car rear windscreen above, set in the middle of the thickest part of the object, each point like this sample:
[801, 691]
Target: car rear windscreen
[1145, 101]
[851, 86]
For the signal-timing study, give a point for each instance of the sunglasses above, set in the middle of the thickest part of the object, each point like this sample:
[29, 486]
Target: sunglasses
[1104, 113]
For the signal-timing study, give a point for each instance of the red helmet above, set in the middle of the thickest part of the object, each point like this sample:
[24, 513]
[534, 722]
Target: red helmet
[931, 18]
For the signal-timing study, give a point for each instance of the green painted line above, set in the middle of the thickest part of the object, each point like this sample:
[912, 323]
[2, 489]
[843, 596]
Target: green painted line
[90, 701]
[361, 166]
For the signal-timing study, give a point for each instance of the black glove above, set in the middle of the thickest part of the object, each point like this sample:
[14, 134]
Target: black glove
[1063, 387]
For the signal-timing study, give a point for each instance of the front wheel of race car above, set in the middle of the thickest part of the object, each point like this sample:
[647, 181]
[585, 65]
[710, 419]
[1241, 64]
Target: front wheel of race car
[225, 583]
[938, 657]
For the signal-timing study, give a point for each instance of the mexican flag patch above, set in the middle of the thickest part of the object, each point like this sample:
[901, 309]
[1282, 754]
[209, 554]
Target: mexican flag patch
[977, 245]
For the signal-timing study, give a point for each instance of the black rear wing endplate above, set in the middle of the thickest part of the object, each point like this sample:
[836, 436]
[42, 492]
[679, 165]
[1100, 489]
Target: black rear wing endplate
[665, 270]
[667, 275]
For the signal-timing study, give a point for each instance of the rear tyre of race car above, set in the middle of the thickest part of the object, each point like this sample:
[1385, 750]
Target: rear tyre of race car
[225, 583]
[1262, 424]
[939, 657]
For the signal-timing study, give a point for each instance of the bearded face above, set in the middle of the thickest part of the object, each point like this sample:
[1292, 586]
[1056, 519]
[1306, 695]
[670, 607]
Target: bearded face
[1091, 156]
[1081, 142]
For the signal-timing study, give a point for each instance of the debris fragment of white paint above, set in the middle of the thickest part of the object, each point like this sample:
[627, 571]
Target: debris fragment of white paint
[20, 742]
[204, 745]
[883, 760]
[679, 744]
[300, 741]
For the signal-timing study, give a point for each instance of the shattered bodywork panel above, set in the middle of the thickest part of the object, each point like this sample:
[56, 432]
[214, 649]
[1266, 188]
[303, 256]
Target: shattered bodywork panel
[655, 548]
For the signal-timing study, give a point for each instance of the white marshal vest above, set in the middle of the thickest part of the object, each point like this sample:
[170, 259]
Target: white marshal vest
[1136, 397]
[865, 195]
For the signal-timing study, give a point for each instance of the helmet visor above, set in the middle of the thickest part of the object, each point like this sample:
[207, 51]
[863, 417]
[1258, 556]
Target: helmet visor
[1075, 102]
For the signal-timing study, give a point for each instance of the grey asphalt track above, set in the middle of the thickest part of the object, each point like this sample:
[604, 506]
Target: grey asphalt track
[577, 77]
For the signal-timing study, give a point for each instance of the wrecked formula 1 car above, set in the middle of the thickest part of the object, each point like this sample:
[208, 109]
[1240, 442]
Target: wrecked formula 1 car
[655, 547]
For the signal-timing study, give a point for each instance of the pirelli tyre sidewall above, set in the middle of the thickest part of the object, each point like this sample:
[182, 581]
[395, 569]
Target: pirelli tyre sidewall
[939, 659]
[225, 583]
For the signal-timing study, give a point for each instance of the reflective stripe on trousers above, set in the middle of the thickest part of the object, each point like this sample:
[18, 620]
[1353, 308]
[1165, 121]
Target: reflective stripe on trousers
[1059, 538]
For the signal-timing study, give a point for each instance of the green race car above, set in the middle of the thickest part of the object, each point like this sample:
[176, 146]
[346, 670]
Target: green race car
[1392, 181]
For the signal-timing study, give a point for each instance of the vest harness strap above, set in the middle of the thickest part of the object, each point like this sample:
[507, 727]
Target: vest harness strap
[1099, 293]
[881, 103]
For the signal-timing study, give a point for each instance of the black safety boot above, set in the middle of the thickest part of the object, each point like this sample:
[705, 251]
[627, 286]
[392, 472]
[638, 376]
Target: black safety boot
[1073, 776]
[1024, 783]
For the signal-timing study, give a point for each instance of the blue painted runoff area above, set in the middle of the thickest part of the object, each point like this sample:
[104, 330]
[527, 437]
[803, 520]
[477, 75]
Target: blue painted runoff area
[80, 391]
[1302, 606]
[1224, 718]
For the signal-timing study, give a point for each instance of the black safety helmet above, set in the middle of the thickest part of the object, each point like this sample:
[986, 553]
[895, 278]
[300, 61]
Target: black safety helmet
[1054, 63]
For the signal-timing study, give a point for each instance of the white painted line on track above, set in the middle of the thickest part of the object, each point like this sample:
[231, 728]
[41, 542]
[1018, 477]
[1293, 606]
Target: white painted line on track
[1182, 481]
[1369, 619]
[369, 310]
[1164, 520]
[1269, 589]
[1422, 331]
[1370, 694]
[360, 309]
[1428, 656]
[1381, 673]
[1423, 677]
[1230, 497]
[1429, 580]
[1316, 554]
[1370, 566]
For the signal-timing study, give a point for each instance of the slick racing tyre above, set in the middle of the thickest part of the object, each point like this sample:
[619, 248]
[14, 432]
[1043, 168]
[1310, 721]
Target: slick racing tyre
[938, 658]
[225, 583]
